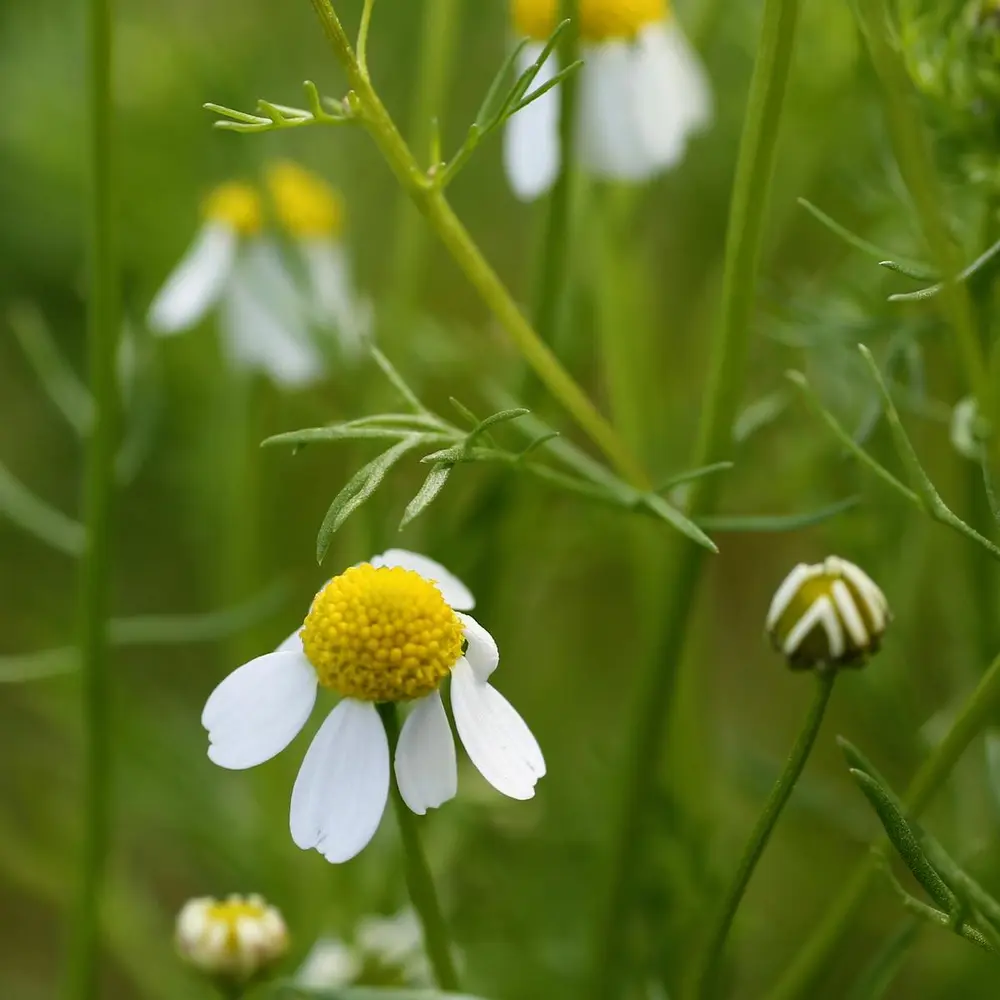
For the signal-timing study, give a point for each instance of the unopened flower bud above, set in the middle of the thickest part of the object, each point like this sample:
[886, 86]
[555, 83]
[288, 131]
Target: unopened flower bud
[969, 431]
[830, 614]
[232, 939]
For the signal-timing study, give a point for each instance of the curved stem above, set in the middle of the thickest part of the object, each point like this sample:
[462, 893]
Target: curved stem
[803, 971]
[748, 211]
[419, 881]
[712, 959]
[438, 36]
[429, 198]
[95, 567]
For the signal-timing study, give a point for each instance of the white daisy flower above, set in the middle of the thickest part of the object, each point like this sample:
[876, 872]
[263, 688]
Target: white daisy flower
[828, 614]
[230, 267]
[235, 938]
[643, 93]
[313, 213]
[387, 631]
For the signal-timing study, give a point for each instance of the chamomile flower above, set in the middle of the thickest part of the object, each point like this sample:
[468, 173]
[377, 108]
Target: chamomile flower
[390, 630]
[232, 939]
[230, 267]
[312, 212]
[642, 94]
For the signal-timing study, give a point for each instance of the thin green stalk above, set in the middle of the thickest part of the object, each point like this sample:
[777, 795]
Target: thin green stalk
[808, 965]
[748, 211]
[438, 36]
[711, 963]
[419, 881]
[433, 204]
[917, 168]
[554, 284]
[95, 567]
[366, 20]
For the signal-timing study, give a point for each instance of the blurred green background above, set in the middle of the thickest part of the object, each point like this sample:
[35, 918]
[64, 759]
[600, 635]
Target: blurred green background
[569, 589]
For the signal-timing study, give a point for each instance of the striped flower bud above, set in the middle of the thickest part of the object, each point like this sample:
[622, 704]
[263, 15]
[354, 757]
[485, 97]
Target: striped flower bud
[233, 939]
[830, 614]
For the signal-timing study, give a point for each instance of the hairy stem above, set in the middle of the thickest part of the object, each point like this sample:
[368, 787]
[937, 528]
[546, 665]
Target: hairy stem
[432, 203]
[748, 211]
[804, 970]
[95, 567]
[711, 963]
[419, 881]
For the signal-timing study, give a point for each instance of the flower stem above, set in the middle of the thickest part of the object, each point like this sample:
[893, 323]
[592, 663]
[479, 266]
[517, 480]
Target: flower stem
[438, 35]
[748, 210]
[554, 277]
[95, 566]
[419, 881]
[712, 960]
[431, 201]
[804, 970]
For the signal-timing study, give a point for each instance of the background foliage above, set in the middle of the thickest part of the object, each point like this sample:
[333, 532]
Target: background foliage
[568, 588]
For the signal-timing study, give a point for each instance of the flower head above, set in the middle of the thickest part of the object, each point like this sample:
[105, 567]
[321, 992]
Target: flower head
[390, 630]
[234, 938]
[642, 94]
[827, 615]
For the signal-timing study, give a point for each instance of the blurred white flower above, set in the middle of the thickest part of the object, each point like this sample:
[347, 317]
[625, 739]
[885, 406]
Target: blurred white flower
[263, 318]
[968, 430]
[313, 214]
[643, 93]
[827, 614]
[329, 965]
[386, 631]
[235, 938]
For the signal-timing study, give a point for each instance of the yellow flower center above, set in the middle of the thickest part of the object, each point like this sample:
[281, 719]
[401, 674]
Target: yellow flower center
[238, 205]
[382, 634]
[600, 20]
[230, 911]
[304, 203]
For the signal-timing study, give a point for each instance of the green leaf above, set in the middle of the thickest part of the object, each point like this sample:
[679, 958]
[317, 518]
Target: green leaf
[501, 417]
[19, 505]
[859, 243]
[427, 493]
[964, 275]
[348, 432]
[690, 475]
[904, 840]
[358, 489]
[777, 522]
[658, 506]
[398, 382]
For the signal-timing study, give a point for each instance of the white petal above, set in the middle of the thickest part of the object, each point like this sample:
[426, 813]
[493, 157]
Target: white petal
[452, 589]
[259, 709]
[293, 644]
[531, 137]
[639, 103]
[264, 320]
[341, 789]
[337, 304]
[426, 769]
[481, 650]
[196, 283]
[495, 737]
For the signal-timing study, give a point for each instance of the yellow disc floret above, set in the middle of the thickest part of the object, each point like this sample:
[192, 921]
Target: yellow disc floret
[237, 204]
[381, 634]
[600, 20]
[304, 203]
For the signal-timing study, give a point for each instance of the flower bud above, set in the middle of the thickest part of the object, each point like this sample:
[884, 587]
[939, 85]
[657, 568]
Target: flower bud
[233, 939]
[830, 614]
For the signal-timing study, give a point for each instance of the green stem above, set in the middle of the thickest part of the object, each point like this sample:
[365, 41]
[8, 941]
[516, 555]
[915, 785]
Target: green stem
[95, 567]
[804, 970]
[916, 165]
[366, 20]
[438, 35]
[712, 960]
[748, 210]
[419, 881]
[554, 276]
[432, 203]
